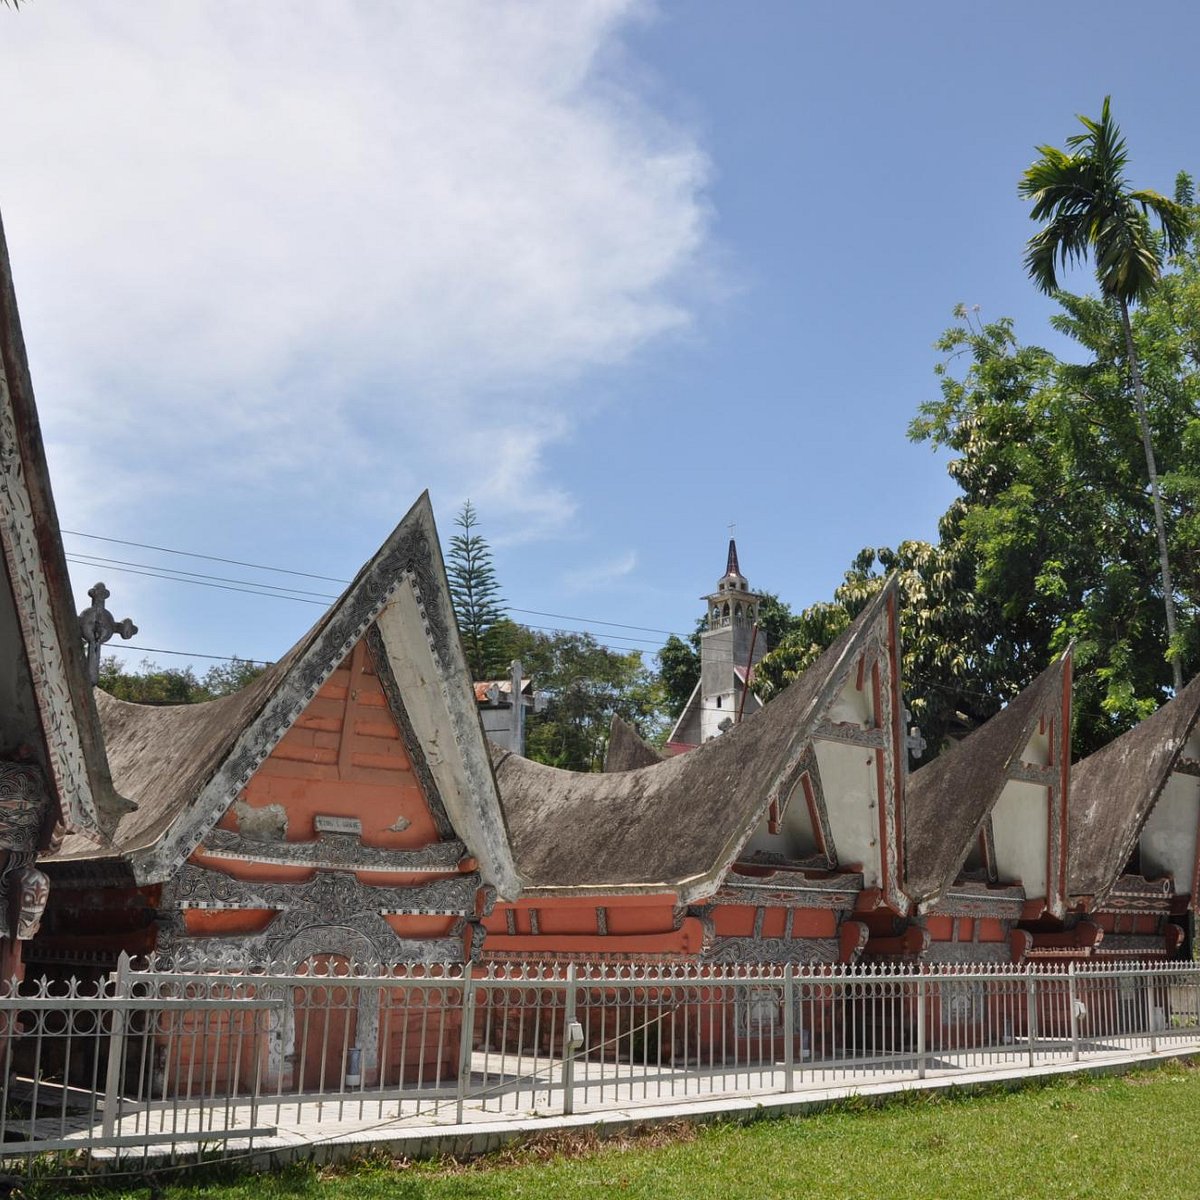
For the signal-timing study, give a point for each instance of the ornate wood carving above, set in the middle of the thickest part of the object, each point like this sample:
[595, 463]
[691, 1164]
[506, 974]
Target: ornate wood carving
[791, 889]
[334, 852]
[967, 953]
[772, 950]
[24, 814]
[1025, 772]
[43, 650]
[850, 734]
[327, 897]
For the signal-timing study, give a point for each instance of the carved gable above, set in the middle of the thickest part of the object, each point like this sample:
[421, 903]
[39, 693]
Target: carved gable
[345, 766]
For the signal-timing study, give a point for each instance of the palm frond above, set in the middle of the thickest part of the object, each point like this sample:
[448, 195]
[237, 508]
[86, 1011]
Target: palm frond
[1084, 205]
[1172, 217]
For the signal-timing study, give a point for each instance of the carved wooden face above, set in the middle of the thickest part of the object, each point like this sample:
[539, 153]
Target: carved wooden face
[31, 904]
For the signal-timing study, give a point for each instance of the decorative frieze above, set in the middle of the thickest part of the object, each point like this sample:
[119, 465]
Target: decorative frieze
[327, 897]
[971, 899]
[791, 889]
[772, 950]
[334, 852]
[1133, 892]
[850, 734]
[967, 953]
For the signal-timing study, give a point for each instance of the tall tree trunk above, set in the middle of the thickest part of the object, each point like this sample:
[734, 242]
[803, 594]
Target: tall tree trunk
[1139, 402]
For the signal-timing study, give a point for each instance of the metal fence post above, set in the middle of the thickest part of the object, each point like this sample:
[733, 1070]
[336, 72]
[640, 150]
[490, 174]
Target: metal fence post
[116, 1048]
[466, 1035]
[1073, 1000]
[789, 1027]
[1031, 1015]
[922, 990]
[569, 1019]
[1150, 1012]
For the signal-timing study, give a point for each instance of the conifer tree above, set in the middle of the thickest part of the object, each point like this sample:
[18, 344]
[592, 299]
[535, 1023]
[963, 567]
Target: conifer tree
[475, 591]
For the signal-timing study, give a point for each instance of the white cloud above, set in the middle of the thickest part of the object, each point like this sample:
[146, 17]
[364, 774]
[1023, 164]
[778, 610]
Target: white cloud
[601, 575]
[256, 242]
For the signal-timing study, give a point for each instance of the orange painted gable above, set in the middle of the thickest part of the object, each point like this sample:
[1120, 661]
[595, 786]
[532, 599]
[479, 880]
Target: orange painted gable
[344, 757]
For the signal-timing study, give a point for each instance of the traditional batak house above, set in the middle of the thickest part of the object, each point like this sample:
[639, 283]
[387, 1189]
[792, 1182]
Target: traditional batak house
[339, 808]
[768, 842]
[54, 778]
[986, 832]
[1133, 861]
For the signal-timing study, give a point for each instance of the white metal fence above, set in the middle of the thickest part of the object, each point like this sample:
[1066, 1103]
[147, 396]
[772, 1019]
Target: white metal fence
[160, 1064]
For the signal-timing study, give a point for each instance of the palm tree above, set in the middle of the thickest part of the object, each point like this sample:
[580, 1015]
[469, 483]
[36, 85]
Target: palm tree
[1086, 207]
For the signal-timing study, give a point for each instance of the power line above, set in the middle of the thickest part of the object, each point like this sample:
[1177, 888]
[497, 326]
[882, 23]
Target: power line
[234, 562]
[96, 560]
[255, 662]
[250, 588]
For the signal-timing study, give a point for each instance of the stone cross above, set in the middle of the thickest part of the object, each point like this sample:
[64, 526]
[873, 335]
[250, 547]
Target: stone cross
[914, 741]
[97, 626]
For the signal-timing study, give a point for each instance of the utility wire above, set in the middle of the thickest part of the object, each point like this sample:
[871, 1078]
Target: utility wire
[234, 562]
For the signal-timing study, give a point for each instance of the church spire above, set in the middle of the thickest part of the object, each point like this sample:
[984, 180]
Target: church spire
[731, 565]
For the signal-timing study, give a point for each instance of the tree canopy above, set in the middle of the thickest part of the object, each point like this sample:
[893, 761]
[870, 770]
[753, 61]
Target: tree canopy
[585, 685]
[1049, 540]
[152, 684]
[1087, 209]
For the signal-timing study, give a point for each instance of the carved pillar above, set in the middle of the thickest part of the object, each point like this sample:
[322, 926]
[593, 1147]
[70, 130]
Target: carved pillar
[25, 809]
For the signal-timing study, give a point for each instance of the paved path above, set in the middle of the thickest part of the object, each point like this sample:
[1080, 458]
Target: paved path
[528, 1097]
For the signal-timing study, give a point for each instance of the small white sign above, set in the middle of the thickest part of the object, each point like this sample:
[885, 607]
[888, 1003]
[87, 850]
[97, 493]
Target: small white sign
[324, 824]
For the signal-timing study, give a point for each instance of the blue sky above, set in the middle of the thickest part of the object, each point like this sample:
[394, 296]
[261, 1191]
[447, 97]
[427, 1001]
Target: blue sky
[621, 273]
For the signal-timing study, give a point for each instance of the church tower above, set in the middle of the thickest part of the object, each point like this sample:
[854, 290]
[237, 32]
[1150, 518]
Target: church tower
[730, 644]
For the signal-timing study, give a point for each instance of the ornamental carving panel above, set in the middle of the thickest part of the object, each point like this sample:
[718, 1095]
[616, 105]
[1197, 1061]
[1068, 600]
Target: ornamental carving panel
[35, 611]
[24, 812]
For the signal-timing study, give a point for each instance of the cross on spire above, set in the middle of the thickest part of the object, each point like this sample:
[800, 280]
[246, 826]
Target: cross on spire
[97, 626]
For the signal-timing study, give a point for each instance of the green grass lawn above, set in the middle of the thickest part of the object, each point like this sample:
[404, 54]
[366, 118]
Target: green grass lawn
[1133, 1135]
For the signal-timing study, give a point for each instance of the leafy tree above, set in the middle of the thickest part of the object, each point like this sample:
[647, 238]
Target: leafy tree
[678, 672]
[1046, 542]
[152, 684]
[1088, 209]
[476, 596]
[585, 684]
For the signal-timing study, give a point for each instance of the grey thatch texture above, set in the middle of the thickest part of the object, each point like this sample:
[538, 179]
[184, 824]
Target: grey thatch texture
[627, 749]
[678, 823]
[162, 755]
[947, 801]
[1114, 790]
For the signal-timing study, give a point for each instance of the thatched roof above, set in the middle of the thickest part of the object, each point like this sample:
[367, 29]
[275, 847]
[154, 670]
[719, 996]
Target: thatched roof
[1114, 790]
[677, 824]
[948, 800]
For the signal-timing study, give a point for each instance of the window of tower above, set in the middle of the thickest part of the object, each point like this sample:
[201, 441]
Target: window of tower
[737, 613]
[718, 701]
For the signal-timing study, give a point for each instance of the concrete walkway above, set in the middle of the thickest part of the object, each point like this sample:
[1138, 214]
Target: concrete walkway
[500, 1109]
